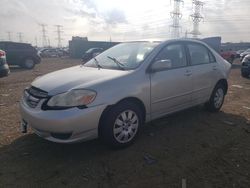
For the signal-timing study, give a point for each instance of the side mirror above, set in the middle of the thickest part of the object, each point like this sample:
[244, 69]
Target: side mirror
[161, 65]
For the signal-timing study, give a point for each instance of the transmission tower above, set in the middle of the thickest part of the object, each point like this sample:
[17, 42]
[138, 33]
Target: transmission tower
[20, 36]
[59, 36]
[196, 17]
[9, 35]
[176, 16]
[44, 37]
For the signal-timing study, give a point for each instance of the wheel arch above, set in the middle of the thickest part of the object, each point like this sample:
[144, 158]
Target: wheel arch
[134, 100]
[224, 83]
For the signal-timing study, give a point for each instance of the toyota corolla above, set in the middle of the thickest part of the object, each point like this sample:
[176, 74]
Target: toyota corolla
[116, 92]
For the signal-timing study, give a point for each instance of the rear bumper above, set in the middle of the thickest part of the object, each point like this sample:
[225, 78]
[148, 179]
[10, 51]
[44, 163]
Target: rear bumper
[4, 70]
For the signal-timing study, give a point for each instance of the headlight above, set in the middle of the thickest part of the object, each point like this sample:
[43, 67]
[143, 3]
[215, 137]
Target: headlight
[72, 98]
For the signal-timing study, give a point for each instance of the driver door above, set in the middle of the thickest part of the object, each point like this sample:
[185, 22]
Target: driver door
[171, 88]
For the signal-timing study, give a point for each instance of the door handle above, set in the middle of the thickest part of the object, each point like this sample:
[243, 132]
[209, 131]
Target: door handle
[188, 73]
[214, 67]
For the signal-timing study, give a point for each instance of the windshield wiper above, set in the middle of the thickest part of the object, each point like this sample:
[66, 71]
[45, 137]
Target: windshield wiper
[97, 63]
[121, 65]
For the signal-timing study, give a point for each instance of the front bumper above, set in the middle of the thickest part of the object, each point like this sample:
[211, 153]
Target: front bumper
[63, 126]
[4, 70]
[245, 69]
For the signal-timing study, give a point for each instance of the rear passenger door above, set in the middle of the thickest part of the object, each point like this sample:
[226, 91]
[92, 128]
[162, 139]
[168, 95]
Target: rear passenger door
[204, 70]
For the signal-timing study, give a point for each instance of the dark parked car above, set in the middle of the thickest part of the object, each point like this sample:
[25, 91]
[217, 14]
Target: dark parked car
[238, 53]
[4, 68]
[21, 54]
[92, 52]
[51, 52]
[243, 54]
[228, 55]
[245, 68]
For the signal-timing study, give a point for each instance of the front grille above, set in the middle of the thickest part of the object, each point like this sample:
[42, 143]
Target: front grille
[246, 63]
[61, 136]
[33, 96]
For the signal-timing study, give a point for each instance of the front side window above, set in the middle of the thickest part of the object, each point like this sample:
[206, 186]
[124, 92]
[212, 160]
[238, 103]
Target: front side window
[198, 54]
[126, 56]
[175, 54]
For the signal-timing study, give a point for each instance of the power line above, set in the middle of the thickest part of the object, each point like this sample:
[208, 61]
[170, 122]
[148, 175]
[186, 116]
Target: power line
[59, 32]
[176, 15]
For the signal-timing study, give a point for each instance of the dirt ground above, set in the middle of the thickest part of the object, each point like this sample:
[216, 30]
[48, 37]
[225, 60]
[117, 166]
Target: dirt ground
[201, 149]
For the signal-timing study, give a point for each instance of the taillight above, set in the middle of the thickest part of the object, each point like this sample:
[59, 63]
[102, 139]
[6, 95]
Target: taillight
[2, 53]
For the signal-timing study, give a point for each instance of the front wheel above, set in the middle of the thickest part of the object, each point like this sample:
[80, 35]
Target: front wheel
[121, 125]
[217, 98]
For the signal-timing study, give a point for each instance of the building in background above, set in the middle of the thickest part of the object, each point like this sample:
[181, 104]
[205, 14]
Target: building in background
[79, 45]
[235, 46]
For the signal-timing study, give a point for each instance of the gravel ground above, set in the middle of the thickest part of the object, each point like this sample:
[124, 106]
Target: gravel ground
[194, 147]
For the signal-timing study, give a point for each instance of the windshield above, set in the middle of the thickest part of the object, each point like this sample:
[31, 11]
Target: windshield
[125, 56]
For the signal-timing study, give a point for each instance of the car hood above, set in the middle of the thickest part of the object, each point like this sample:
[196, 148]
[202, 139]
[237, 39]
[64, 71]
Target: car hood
[244, 53]
[75, 77]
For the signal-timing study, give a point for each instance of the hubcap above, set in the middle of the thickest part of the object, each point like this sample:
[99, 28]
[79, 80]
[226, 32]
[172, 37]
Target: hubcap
[218, 99]
[126, 126]
[29, 63]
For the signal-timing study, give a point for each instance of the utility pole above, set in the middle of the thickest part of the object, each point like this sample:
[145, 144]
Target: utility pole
[9, 35]
[48, 41]
[20, 36]
[44, 37]
[59, 36]
[36, 41]
[176, 16]
[196, 17]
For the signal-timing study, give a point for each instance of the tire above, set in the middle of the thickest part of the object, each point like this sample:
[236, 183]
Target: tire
[217, 98]
[244, 75]
[28, 63]
[121, 125]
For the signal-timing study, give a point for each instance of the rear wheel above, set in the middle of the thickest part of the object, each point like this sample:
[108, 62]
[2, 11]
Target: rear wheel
[245, 75]
[121, 125]
[217, 98]
[28, 63]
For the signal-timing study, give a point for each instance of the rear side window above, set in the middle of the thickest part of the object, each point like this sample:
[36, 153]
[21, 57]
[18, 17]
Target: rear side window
[211, 57]
[198, 54]
[2, 46]
[16, 46]
[175, 53]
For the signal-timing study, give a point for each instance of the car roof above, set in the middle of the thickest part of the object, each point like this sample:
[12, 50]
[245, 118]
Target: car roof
[10, 42]
[172, 40]
[169, 40]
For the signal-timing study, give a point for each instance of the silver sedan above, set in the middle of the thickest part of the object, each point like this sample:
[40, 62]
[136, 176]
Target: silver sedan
[115, 93]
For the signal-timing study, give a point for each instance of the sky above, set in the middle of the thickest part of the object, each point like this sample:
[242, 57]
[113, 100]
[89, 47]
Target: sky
[120, 20]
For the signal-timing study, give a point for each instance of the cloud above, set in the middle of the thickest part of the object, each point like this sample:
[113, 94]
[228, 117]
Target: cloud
[115, 16]
[122, 19]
